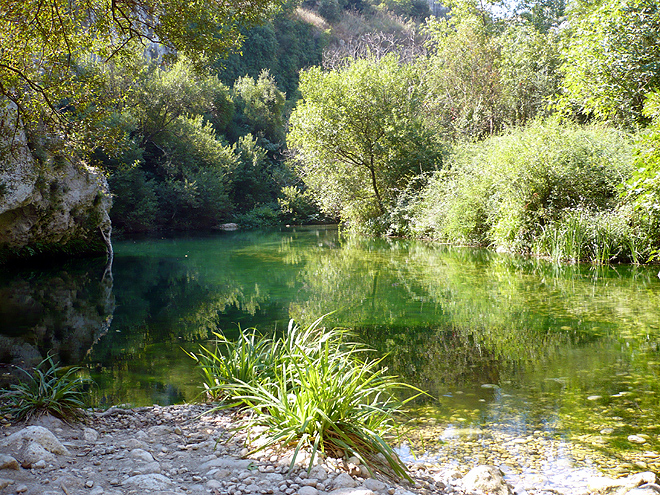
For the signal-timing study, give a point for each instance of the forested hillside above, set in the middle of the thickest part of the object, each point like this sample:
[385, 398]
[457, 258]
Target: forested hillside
[530, 127]
[206, 147]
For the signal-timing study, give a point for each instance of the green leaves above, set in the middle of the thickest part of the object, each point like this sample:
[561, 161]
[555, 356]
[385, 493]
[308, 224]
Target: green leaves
[55, 54]
[611, 59]
[525, 190]
[310, 390]
[359, 135]
[261, 104]
[47, 390]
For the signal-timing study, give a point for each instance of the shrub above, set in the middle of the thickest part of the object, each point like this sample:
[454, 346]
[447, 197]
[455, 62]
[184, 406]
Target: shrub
[642, 191]
[251, 179]
[248, 359]
[507, 190]
[135, 205]
[259, 217]
[47, 390]
[596, 236]
[296, 206]
[310, 389]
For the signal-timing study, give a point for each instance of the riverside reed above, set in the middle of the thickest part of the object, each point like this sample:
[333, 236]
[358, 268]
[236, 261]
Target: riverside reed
[312, 390]
[49, 389]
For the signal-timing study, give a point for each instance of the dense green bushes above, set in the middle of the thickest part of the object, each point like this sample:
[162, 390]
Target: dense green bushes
[178, 169]
[396, 98]
[642, 191]
[549, 189]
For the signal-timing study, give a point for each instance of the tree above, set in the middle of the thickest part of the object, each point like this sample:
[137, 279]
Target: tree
[542, 14]
[612, 58]
[360, 137]
[463, 76]
[260, 107]
[528, 71]
[643, 188]
[161, 94]
[53, 53]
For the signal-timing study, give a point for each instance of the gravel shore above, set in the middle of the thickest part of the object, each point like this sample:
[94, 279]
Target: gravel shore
[176, 450]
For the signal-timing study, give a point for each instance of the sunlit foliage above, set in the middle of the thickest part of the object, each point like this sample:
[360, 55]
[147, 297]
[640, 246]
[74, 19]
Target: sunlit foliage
[612, 58]
[360, 137]
[53, 53]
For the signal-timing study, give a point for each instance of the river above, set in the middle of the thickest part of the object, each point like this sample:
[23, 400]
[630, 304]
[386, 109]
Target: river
[550, 371]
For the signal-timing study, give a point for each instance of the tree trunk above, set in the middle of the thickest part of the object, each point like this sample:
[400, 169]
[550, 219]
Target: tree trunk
[375, 185]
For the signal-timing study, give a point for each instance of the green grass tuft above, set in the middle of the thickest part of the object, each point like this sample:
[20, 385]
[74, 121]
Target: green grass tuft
[47, 390]
[310, 390]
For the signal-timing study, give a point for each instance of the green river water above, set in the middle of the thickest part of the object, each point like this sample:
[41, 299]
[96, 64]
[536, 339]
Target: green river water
[545, 370]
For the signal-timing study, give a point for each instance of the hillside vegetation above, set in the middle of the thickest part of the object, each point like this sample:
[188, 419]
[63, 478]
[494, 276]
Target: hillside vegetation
[530, 128]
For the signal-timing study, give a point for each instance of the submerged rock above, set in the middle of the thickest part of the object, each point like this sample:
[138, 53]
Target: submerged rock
[488, 479]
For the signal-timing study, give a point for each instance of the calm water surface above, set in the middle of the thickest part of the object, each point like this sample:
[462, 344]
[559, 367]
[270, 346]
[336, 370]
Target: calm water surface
[541, 369]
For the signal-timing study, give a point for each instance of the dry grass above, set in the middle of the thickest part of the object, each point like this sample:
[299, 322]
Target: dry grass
[312, 18]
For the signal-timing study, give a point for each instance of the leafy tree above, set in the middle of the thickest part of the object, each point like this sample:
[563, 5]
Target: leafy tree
[135, 207]
[643, 188]
[283, 46]
[163, 94]
[175, 171]
[465, 97]
[260, 107]
[53, 53]
[412, 9]
[542, 14]
[360, 136]
[612, 58]
[482, 81]
[529, 72]
[251, 179]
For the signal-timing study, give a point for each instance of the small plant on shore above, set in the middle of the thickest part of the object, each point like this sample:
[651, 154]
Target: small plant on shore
[248, 359]
[319, 395]
[49, 389]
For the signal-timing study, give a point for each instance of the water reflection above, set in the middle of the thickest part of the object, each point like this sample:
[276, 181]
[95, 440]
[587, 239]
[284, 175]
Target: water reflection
[61, 310]
[560, 363]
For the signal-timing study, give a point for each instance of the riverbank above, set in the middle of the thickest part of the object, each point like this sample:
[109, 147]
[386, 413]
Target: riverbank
[173, 451]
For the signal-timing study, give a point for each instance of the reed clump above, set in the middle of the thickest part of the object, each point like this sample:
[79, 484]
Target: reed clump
[312, 390]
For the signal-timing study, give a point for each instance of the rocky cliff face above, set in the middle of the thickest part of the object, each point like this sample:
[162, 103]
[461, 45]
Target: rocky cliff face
[48, 204]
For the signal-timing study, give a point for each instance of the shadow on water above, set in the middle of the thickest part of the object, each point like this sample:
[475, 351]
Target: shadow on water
[61, 309]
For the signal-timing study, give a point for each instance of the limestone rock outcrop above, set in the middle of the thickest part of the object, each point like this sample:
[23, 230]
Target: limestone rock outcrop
[48, 203]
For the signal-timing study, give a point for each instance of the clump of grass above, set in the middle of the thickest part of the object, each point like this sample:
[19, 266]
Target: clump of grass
[312, 390]
[596, 236]
[249, 359]
[49, 389]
